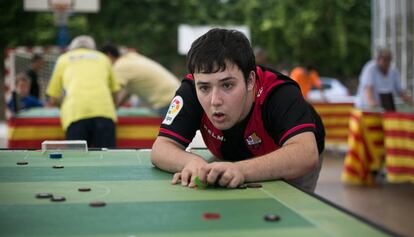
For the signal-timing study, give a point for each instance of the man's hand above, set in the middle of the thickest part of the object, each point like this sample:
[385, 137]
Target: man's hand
[225, 174]
[188, 174]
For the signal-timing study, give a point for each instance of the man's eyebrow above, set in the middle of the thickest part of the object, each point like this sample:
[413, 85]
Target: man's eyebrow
[227, 79]
[202, 83]
[220, 80]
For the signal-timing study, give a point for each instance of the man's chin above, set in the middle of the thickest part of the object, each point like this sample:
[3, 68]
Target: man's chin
[222, 126]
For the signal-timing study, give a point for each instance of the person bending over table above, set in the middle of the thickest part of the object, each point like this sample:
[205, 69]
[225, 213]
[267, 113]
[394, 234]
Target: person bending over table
[253, 119]
[378, 77]
[85, 83]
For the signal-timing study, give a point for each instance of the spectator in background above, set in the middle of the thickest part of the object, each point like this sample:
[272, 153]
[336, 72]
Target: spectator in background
[307, 77]
[147, 79]
[21, 98]
[261, 56]
[86, 77]
[378, 77]
[36, 65]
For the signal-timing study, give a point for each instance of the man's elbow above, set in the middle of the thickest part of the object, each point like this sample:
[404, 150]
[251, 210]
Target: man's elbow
[313, 159]
[155, 153]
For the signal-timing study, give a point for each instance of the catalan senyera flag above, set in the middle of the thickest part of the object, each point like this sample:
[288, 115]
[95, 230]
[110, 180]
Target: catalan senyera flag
[335, 118]
[399, 143]
[365, 148]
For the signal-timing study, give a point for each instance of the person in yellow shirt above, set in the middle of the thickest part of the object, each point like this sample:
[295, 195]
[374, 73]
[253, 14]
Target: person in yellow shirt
[307, 77]
[84, 82]
[142, 76]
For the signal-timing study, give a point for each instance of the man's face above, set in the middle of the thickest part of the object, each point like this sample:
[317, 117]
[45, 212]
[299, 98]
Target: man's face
[384, 62]
[224, 95]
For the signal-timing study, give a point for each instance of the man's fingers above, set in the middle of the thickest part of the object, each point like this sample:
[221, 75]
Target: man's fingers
[225, 179]
[213, 175]
[176, 178]
[234, 183]
[192, 182]
[185, 178]
[202, 173]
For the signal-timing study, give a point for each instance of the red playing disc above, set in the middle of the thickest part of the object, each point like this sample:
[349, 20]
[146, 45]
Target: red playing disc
[211, 216]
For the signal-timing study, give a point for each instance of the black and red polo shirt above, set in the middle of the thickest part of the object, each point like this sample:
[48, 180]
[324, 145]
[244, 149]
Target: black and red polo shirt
[279, 113]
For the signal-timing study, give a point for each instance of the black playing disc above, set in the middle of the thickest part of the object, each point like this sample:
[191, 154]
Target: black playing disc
[58, 199]
[271, 217]
[84, 189]
[242, 186]
[22, 163]
[254, 185]
[43, 195]
[97, 204]
[58, 167]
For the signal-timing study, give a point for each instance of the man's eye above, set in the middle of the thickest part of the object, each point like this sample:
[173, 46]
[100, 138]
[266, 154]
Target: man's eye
[203, 88]
[227, 85]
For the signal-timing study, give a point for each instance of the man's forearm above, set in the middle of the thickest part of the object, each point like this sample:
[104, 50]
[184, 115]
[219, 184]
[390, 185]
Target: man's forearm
[370, 96]
[170, 156]
[293, 160]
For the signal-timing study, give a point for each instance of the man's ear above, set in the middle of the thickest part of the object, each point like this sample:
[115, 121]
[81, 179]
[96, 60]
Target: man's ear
[251, 80]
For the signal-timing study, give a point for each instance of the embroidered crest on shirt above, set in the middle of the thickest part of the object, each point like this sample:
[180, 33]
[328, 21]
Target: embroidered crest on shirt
[175, 107]
[253, 140]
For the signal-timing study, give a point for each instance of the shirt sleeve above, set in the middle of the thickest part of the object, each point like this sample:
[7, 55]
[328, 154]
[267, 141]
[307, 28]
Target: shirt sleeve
[183, 118]
[54, 88]
[113, 83]
[122, 73]
[287, 114]
[367, 75]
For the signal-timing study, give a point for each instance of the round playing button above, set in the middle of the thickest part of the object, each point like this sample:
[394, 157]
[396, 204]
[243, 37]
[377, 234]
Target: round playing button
[58, 199]
[254, 185]
[84, 189]
[97, 204]
[55, 155]
[271, 217]
[43, 195]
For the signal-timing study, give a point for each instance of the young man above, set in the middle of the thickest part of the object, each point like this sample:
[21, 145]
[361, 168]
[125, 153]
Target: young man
[243, 112]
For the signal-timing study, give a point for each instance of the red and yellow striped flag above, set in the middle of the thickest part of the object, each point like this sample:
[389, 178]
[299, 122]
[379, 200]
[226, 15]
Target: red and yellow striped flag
[399, 143]
[335, 118]
[365, 148]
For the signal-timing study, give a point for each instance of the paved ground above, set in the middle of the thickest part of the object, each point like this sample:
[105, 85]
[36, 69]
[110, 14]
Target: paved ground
[389, 205]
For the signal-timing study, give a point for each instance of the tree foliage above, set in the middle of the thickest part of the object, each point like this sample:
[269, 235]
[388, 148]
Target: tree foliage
[334, 35]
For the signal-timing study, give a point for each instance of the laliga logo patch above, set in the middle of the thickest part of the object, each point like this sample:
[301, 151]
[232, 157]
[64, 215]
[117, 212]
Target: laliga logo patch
[175, 107]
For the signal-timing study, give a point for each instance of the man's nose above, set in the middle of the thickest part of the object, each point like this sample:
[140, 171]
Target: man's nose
[216, 98]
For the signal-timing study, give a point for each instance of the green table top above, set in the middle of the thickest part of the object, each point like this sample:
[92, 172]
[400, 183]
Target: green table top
[54, 112]
[140, 201]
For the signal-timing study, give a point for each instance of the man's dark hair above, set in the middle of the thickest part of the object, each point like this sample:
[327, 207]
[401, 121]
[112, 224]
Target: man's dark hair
[210, 52]
[111, 50]
[36, 57]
